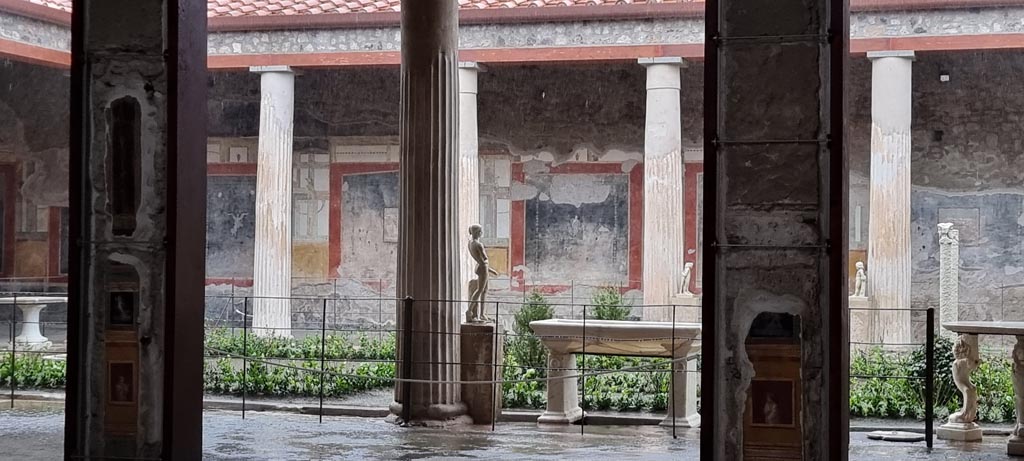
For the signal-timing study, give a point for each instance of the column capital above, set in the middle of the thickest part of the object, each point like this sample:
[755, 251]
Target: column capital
[266, 69]
[468, 72]
[662, 60]
[472, 65]
[909, 54]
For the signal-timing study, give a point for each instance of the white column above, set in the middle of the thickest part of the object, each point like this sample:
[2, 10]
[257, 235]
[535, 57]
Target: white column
[428, 261]
[469, 171]
[272, 264]
[889, 224]
[663, 186]
[949, 277]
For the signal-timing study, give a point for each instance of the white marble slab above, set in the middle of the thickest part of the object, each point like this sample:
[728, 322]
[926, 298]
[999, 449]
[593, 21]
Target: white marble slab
[986, 328]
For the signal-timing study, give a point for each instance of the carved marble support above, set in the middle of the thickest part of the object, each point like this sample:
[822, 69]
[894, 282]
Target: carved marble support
[962, 425]
[469, 167]
[949, 276]
[1015, 445]
[428, 259]
[889, 263]
[663, 184]
[563, 406]
[272, 261]
[682, 398]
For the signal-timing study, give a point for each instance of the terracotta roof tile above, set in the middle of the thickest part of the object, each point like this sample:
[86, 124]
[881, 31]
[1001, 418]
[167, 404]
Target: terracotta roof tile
[217, 8]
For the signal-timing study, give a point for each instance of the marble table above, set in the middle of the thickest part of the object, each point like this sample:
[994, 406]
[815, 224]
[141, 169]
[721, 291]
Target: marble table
[31, 337]
[963, 425]
[565, 338]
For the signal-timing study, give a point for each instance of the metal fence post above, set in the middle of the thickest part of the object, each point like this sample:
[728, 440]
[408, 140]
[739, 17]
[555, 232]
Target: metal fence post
[583, 374]
[672, 376]
[14, 342]
[245, 351]
[407, 359]
[929, 376]
[323, 348]
[14, 348]
[494, 367]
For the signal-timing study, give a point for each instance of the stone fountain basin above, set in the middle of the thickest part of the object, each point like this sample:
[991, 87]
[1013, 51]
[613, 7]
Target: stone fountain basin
[618, 337]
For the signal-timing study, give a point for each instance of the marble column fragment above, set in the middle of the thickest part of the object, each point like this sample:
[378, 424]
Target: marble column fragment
[949, 276]
[469, 170]
[428, 258]
[889, 260]
[272, 262]
[663, 187]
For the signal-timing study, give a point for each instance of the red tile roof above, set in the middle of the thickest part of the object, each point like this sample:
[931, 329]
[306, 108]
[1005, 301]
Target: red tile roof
[217, 8]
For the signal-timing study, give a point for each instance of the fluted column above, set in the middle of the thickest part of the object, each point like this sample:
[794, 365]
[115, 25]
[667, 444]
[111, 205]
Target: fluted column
[272, 264]
[889, 224]
[428, 265]
[949, 277]
[663, 186]
[469, 170]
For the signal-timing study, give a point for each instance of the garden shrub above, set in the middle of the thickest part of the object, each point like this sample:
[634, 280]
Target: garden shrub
[523, 348]
[608, 303]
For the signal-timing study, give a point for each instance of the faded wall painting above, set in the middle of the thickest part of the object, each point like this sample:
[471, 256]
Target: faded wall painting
[577, 228]
[369, 226]
[230, 226]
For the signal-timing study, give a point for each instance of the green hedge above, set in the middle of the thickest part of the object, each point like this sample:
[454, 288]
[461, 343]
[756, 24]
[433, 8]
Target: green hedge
[626, 391]
[904, 398]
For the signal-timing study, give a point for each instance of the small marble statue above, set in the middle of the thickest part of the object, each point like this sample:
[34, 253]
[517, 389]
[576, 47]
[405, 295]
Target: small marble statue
[965, 362]
[860, 285]
[771, 410]
[687, 273]
[478, 286]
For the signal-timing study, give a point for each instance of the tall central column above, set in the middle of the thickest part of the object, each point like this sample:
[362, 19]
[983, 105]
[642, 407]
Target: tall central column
[889, 222]
[428, 259]
[469, 170]
[663, 186]
[272, 264]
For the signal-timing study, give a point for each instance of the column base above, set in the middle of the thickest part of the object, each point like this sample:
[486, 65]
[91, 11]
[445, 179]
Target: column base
[561, 417]
[961, 432]
[692, 421]
[433, 415]
[1015, 446]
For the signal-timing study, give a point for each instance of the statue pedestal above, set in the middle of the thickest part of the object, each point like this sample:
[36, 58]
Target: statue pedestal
[860, 321]
[687, 310]
[478, 359]
[962, 432]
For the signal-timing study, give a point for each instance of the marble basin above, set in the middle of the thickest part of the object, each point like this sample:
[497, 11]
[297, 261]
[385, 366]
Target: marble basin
[31, 336]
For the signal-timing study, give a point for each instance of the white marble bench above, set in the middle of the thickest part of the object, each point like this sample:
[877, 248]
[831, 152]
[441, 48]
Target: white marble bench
[565, 338]
[963, 425]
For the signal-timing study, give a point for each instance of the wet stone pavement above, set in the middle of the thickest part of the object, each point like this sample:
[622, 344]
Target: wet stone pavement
[30, 432]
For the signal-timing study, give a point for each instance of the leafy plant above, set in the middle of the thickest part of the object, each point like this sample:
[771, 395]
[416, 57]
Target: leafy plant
[525, 350]
[609, 304]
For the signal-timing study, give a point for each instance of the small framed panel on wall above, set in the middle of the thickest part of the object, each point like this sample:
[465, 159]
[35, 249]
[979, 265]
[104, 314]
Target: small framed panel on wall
[121, 383]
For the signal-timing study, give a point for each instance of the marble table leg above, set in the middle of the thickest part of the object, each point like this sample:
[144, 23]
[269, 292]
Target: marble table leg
[1015, 445]
[563, 399]
[682, 400]
[963, 425]
[31, 337]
